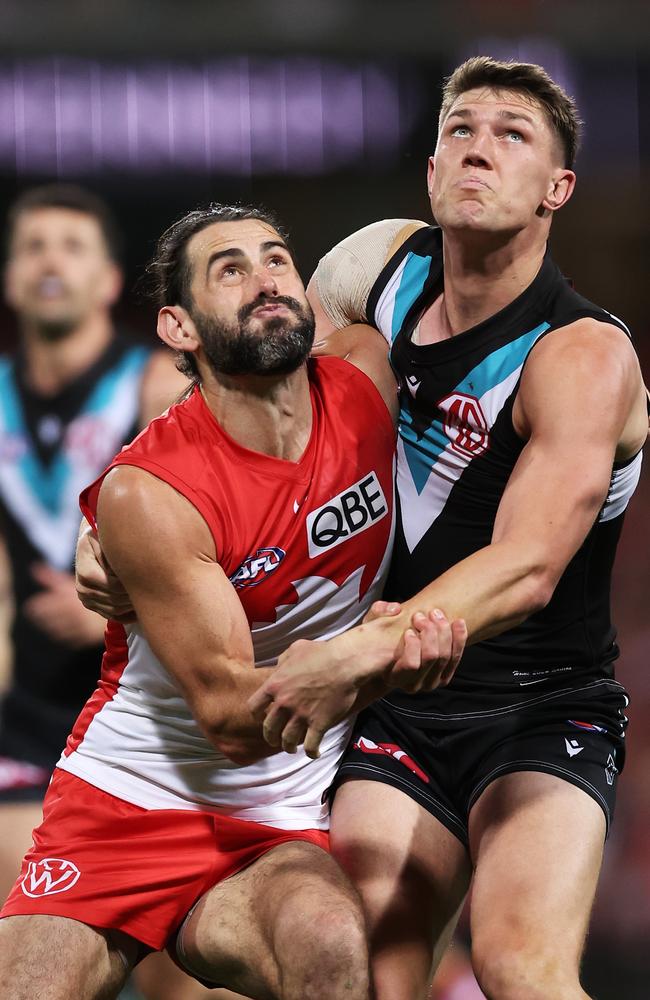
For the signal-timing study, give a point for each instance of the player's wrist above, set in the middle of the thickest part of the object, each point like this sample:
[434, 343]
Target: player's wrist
[367, 652]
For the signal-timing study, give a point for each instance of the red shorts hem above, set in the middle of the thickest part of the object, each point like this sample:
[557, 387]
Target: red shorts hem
[113, 865]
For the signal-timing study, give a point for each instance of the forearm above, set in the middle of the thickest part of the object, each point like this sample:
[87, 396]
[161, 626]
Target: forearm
[225, 718]
[216, 690]
[493, 590]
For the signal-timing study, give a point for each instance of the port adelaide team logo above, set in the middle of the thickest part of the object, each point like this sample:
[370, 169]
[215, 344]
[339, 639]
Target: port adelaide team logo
[465, 424]
[354, 510]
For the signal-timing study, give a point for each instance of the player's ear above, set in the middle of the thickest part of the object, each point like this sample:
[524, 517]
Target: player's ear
[559, 190]
[430, 170]
[176, 329]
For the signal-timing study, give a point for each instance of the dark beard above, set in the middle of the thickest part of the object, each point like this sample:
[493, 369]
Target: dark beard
[282, 347]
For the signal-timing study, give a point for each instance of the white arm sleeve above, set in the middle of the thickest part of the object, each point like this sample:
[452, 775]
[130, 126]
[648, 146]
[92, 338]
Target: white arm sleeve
[345, 275]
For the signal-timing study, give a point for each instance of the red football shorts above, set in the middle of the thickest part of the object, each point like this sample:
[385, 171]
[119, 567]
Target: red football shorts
[110, 864]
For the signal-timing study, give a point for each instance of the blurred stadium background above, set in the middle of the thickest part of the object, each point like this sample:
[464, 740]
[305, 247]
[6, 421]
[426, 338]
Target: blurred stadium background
[325, 111]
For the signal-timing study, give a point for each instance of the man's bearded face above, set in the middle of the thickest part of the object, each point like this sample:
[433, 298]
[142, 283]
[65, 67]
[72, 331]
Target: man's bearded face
[264, 345]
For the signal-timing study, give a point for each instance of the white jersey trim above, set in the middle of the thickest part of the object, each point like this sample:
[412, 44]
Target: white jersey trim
[621, 487]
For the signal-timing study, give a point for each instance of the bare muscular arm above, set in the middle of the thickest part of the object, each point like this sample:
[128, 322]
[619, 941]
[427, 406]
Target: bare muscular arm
[360, 344]
[163, 552]
[581, 405]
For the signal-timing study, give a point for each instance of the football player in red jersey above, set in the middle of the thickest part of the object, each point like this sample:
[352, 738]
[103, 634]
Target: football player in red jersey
[169, 820]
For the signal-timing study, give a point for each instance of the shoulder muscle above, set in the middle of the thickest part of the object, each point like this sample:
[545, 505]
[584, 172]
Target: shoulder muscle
[148, 530]
[585, 375]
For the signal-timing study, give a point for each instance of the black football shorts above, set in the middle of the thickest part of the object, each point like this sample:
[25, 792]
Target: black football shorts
[445, 762]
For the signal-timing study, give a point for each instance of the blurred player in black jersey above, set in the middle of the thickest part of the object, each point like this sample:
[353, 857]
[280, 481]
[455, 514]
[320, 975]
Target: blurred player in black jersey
[71, 395]
[523, 413]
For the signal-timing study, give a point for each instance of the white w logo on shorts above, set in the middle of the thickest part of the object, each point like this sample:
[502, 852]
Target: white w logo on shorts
[48, 876]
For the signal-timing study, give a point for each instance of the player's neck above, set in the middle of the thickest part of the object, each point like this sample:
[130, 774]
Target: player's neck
[272, 415]
[51, 364]
[481, 279]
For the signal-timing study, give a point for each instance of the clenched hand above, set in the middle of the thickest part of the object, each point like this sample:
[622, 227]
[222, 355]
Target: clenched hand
[317, 684]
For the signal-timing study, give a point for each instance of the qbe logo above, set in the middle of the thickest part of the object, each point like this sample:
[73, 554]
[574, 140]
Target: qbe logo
[351, 512]
[465, 424]
[48, 876]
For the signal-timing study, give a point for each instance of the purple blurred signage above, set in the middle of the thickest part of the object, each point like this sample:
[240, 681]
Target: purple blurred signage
[237, 116]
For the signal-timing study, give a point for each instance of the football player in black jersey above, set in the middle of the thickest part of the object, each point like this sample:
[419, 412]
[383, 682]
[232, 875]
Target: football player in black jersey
[522, 419]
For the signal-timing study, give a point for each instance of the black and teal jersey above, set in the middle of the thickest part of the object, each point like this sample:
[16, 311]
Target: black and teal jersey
[51, 447]
[456, 451]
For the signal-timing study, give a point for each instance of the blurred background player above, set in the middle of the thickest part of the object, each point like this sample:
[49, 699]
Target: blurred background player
[71, 395]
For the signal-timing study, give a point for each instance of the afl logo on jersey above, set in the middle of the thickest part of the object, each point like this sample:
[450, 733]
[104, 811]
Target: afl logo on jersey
[256, 568]
[351, 512]
[465, 424]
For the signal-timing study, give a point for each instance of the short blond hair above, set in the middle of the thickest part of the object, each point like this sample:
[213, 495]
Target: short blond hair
[528, 79]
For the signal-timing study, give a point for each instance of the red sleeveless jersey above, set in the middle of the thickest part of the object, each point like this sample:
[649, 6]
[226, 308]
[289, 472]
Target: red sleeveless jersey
[305, 544]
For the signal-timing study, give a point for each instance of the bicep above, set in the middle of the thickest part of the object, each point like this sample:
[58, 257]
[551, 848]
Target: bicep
[162, 550]
[325, 324]
[552, 500]
[573, 403]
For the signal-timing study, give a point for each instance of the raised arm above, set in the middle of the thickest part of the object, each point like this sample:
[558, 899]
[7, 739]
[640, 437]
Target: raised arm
[580, 407]
[340, 286]
[338, 293]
